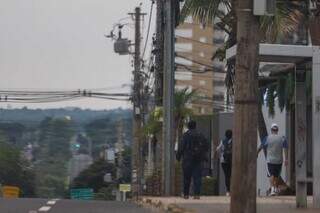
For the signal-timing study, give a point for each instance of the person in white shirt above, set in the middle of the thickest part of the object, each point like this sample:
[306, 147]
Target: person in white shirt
[277, 152]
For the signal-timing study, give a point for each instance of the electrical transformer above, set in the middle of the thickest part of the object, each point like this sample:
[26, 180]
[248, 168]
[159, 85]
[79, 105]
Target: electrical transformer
[121, 46]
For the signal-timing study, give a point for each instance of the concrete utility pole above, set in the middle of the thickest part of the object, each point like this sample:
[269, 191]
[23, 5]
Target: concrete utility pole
[159, 54]
[301, 139]
[137, 114]
[168, 98]
[244, 167]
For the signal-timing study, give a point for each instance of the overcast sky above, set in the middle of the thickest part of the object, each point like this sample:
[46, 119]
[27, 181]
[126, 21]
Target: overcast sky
[60, 44]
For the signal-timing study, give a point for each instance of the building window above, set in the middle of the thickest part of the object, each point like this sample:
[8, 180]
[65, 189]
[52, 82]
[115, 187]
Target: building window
[187, 33]
[217, 83]
[202, 82]
[203, 40]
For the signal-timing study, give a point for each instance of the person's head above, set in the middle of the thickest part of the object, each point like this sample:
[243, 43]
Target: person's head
[228, 133]
[274, 128]
[192, 124]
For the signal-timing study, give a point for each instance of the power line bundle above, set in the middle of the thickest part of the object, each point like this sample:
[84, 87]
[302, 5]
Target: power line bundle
[33, 96]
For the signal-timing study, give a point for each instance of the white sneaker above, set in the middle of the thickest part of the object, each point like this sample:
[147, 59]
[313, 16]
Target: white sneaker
[273, 192]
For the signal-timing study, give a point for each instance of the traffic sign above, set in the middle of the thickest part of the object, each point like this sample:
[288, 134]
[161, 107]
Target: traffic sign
[81, 194]
[10, 191]
[124, 187]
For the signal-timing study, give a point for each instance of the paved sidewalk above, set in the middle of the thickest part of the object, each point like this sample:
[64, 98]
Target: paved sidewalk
[221, 204]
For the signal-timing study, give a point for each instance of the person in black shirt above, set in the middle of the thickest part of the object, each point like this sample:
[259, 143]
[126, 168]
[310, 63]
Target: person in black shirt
[192, 150]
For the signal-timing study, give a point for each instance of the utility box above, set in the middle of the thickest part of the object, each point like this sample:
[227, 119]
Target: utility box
[264, 7]
[121, 46]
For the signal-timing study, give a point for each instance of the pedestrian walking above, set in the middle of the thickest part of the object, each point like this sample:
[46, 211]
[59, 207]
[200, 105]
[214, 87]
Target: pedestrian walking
[192, 151]
[225, 151]
[277, 153]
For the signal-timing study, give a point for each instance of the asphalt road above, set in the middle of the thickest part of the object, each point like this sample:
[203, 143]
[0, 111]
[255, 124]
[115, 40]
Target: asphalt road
[67, 206]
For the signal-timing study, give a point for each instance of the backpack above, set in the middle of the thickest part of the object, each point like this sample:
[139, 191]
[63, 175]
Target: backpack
[227, 151]
[198, 147]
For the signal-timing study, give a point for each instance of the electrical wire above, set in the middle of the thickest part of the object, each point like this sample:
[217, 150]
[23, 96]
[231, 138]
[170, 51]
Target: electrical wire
[148, 30]
[196, 41]
[208, 69]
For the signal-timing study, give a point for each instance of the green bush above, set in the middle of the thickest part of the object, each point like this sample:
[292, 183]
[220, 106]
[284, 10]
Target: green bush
[105, 193]
[209, 185]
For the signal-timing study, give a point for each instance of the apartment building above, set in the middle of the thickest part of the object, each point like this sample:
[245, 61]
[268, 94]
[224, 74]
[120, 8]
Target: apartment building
[195, 69]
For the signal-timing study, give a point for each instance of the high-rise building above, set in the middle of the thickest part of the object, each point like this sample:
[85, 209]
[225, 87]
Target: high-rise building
[195, 69]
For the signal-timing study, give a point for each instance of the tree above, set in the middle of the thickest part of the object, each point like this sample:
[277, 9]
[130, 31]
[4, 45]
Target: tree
[246, 104]
[92, 177]
[181, 112]
[244, 160]
[182, 98]
[14, 170]
[52, 157]
[100, 132]
[288, 17]
[14, 132]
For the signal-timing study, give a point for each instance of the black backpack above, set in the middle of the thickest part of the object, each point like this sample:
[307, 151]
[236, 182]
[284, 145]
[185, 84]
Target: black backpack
[198, 147]
[227, 150]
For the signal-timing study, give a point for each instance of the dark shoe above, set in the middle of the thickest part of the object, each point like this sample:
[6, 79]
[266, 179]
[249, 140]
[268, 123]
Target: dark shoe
[186, 197]
[196, 197]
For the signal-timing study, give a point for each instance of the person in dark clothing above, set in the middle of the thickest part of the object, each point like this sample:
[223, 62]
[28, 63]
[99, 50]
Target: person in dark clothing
[192, 150]
[225, 151]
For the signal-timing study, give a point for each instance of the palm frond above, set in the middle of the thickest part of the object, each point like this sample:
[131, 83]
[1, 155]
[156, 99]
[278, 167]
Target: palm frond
[288, 17]
[202, 11]
[290, 87]
[270, 99]
[281, 92]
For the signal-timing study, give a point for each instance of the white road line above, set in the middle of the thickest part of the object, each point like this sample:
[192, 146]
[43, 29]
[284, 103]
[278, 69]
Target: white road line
[44, 209]
[51, 202]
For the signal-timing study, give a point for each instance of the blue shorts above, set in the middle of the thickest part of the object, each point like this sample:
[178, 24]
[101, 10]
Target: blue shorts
[274, 169]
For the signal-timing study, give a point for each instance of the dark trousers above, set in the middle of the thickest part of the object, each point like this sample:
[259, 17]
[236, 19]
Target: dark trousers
[192, 171]
[227, 173]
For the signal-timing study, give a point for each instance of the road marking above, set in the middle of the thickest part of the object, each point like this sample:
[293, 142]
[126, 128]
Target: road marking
[32, 211]
[51, 202]
[44, 209]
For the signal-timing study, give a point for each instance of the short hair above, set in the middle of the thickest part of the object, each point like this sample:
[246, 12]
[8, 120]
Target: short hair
[228, 133]
[192, 124]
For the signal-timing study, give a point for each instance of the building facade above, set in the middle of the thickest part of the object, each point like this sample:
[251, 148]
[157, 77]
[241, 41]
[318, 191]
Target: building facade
[195, 69]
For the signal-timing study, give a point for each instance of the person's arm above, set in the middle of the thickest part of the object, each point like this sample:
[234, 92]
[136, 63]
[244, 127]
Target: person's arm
[262, 146]
[219, 147]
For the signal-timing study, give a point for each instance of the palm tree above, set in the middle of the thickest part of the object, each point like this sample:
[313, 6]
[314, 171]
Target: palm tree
[287, 18]
[182, 98]
[153, 126]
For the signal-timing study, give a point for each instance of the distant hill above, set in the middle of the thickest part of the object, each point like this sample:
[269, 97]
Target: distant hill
[35, 116]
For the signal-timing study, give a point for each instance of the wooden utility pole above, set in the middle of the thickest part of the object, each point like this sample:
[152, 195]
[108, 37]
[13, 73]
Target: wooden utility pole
[137, 114]
[168, 98]
[243, 186]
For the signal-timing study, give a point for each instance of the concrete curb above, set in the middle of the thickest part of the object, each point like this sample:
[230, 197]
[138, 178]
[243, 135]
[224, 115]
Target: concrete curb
[158, 205]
